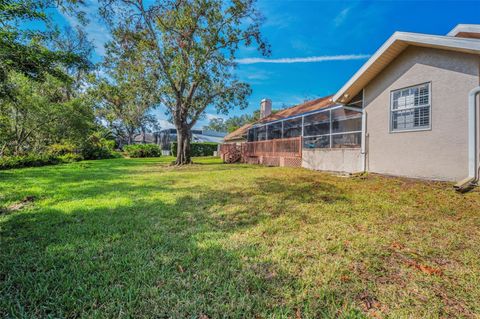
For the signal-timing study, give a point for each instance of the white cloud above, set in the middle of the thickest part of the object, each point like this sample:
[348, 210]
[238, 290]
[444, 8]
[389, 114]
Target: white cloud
[211, 116]
[253, 74]
[164, 124]
[342, 16]
[322, 58]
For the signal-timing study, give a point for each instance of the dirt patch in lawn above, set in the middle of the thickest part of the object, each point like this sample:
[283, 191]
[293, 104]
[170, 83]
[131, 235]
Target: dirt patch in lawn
[26, 201]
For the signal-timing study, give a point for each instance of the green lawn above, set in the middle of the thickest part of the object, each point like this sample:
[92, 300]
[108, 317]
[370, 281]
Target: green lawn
[139, 238]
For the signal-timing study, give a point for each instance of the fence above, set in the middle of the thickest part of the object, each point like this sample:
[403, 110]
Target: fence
[286, 147]
[280, 152]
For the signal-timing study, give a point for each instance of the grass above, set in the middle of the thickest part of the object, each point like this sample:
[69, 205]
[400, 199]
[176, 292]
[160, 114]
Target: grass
[139, 238]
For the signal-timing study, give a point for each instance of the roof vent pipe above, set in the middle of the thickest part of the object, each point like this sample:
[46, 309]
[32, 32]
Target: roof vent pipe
[472, 178]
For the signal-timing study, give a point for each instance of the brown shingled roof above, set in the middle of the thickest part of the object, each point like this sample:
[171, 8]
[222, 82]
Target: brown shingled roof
[306, 107]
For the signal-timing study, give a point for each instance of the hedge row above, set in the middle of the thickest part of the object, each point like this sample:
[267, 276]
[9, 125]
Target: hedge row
[37, 160]
[142, 150]
[198, 149]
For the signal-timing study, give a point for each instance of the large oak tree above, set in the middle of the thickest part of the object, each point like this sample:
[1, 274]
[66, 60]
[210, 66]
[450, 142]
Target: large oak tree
[191, 47]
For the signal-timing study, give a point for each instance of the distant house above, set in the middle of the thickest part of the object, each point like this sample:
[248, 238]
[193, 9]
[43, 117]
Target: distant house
[408, 111]
[167, 136]
[147, 138]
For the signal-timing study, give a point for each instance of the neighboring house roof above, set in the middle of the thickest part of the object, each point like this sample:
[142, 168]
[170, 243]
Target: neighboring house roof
[207, 138]
[395, 45]
[149, 138]
[299, 109]
[239, 133]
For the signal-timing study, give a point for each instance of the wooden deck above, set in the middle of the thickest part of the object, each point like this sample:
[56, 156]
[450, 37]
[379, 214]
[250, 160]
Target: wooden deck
[279, 152]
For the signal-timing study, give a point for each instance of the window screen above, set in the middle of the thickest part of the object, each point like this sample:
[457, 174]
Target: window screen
[251, 135]
[261, 133]
[316, 124]
[274, 131]
[337, 128]
[292, 128]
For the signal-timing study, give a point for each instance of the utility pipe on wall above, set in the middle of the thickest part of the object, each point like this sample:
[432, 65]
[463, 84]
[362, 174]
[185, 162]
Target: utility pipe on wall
[364, 141]
[364, 134]
[472, 178]
[472, 134]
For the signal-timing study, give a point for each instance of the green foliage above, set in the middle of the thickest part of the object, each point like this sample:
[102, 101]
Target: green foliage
[235, 122]
[28, 161]
[41, 114]
[142, 150]
[217, 124]
[70, 158]
[127, 94]
[190, 48]
[25, 50]
[98, 147]
[231, 124]
[198, 149]
[59, 149]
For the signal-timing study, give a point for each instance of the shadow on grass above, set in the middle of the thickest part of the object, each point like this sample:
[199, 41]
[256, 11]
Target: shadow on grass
[155, 258]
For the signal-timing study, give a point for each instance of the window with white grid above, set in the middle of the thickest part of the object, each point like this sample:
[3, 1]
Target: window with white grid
[410, 108]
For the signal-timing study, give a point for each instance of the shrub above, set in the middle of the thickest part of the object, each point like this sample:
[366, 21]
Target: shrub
[198, 149]
[70, 158]
[142, 150]
[28, 161]
[61, 149]
[97, 147]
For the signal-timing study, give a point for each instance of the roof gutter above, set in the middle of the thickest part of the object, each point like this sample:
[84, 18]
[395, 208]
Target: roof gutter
[473, 168]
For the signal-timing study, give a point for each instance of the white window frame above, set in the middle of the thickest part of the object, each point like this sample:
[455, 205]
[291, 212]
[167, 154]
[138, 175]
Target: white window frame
[391, 110]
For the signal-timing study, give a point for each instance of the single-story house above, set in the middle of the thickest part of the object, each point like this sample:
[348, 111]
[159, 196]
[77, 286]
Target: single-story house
[169, 135]
[410, 110]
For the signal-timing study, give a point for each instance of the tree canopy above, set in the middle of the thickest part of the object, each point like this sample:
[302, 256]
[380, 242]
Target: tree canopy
[190, 47]
[25, 50]
[43, 72]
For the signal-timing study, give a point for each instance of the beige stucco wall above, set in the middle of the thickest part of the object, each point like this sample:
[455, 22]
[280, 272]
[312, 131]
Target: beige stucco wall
[335, 160]
[440, 153]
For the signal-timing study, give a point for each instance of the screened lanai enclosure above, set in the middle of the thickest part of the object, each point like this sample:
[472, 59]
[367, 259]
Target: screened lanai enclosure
[335, 127]
[302, 139]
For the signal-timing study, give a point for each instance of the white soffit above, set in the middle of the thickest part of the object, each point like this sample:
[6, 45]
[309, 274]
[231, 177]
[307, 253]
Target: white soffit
[391, 49]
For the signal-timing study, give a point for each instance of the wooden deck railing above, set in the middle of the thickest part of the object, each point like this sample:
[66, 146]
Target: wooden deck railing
[227, 147]
[288, 147]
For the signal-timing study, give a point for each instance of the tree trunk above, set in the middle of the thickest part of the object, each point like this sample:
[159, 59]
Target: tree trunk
[144, 141]
[183, 145]
[130, 137]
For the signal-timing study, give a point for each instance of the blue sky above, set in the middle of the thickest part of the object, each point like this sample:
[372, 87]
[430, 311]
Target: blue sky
[301, 29]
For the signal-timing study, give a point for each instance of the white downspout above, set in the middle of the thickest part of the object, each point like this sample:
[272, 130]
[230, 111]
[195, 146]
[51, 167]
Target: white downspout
[472, 178]
[364, 140]
[364, 136]
[472, 134]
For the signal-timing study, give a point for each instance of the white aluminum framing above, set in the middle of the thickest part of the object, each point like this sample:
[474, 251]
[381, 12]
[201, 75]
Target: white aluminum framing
[302, 116]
